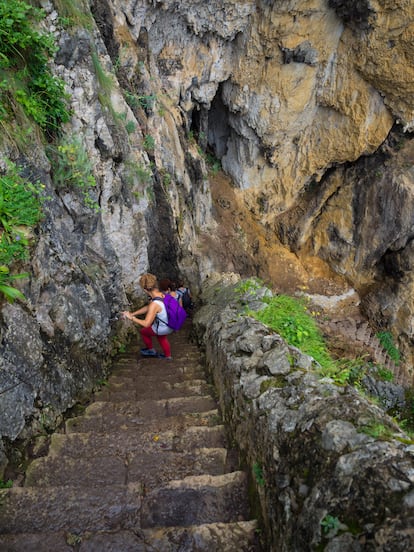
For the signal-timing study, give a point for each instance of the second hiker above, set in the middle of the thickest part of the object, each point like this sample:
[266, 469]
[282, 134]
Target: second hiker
[150, 326]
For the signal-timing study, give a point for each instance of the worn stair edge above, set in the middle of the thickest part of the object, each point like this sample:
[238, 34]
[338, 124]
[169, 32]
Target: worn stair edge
[127, 390]
[197, 500]
[104, 424]
[38, 542]
[73, 509]
[152, 408]
[150, 468]
[118, 541]
[121, 442]
[241, 536]
[213, 537]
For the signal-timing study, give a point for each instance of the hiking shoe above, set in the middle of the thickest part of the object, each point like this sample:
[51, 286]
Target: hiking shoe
[161, 355]
[149, 352]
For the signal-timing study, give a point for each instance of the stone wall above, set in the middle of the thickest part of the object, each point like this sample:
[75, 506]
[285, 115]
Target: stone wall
[323, 483]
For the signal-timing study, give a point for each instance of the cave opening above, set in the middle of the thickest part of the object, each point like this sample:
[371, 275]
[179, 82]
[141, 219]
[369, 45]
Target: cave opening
[210, 127]
[218, 125]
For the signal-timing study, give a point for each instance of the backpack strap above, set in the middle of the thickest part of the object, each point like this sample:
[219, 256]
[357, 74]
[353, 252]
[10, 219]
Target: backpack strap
[157, 317]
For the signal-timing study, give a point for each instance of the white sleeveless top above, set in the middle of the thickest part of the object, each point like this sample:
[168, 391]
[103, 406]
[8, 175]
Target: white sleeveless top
[160, 324]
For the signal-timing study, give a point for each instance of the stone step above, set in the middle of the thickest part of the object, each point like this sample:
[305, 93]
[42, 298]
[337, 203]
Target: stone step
[160, 369]
[37, 542]
[70, 509]
[196, 500]
[111, 423]
[106, 416]
[150, 469]
[77, 445]
[126, 389]
[213, 537]
[189, 356]
[152, 408]
[239, 536]
[169, 375]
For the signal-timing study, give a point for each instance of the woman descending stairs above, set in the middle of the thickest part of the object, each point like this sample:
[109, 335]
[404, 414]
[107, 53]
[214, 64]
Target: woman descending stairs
[145, 468]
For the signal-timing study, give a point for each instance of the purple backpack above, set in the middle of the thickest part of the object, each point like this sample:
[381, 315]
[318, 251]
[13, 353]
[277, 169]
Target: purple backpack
[175, 312]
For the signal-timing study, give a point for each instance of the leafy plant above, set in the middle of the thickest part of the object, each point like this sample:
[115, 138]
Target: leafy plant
[387, 342]
[149, 142]
[147, 101]
[376, 430]
[130, 127]
[258, 474]
[330, 523]
[6, 484]
[20, 210]
[72, 169]
[213, 163]
[137, 173]
[288, 317]
[26, 79]
[384, 373]
[249, 285]
[73, 14]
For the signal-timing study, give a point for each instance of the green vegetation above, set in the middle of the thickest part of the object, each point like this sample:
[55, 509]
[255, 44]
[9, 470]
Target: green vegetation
[288, 317]
[376, 430]
[135, 100]
[73, 13]
[248, 286]
[130, 127]
[277, 382]
[72, 169]
[330, 523]
[6, 484]
[258, 474]
[20, 210]
[27, 86]
[149, 142]
[136, 173]
[387, 342]
[213, 163]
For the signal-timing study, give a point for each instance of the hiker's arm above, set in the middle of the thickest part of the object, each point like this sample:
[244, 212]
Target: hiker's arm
[142, 310]
[151, 312]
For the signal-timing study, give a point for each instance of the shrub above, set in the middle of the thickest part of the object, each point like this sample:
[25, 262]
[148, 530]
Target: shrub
[26, 78]
[387, 342]
[288, 317]
[72, 169]
[20, 210]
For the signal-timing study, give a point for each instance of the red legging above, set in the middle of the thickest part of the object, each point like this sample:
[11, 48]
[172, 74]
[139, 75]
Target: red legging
[147, 335]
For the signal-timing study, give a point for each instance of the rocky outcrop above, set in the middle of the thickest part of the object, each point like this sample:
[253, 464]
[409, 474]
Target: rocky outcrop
[298, 101]
[324, 480]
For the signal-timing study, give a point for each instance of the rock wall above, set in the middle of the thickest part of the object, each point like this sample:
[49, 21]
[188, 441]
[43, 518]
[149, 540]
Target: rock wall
[322, 481]
[307, 106]
[86, 257]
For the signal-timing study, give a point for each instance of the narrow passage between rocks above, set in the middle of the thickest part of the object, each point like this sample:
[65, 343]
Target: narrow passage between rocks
[144, 468]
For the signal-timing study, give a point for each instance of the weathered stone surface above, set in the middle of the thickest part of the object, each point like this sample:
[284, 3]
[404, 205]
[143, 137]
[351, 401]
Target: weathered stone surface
[198, 499]
[80, 493]
[281, 93]
[307, 441]
[69, 508]
[213, 537]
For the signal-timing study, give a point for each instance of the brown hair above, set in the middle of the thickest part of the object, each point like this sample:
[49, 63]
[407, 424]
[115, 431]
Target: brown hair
[148, 282]
[165, 284]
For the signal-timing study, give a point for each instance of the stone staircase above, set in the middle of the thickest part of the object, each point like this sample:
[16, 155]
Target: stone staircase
[144, 468]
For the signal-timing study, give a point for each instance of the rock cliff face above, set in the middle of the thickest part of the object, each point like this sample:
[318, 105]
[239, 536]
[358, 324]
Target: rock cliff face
[307, 106]
[324, 480]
